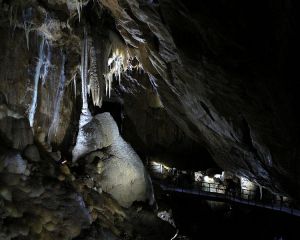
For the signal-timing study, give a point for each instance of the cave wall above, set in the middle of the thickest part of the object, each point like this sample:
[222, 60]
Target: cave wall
[224, 72]
[18, 69]
[218, 77]
[42, 194]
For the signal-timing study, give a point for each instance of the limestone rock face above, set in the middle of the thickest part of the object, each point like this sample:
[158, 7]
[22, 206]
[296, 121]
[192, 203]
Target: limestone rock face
[225, 79]
[40, 207]
[45, 200]
[18, 86]
[228, 83]
[41, 196]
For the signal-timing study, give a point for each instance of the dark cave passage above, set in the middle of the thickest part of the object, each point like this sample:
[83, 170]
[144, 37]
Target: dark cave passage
[202, 219]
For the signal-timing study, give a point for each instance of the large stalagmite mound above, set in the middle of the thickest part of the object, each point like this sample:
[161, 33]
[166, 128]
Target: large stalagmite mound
[120, 171]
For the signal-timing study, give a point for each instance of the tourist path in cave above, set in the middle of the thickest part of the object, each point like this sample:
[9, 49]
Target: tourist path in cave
[211, 191]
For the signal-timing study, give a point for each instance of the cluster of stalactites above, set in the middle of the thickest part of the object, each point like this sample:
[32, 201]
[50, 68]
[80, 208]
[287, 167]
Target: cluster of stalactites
[115, 65]
[134, 64]
[118, 63]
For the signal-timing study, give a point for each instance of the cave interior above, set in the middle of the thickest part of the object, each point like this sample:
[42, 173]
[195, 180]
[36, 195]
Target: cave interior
[149, 119]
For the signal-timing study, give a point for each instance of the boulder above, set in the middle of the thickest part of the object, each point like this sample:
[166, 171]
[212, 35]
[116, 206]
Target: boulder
[31, 153]
[13, 162]
[16, 132]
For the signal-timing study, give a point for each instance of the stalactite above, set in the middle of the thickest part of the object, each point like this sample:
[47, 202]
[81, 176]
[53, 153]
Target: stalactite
[13, 12]
[93, 78]
[108, 83]
[79, 8]
[36, 83]
[74, 82]
[84, 72]
[118, 63]
[27, 15]
[58, 99]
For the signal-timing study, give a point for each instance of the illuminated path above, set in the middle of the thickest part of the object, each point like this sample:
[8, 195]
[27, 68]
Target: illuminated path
[215, 195]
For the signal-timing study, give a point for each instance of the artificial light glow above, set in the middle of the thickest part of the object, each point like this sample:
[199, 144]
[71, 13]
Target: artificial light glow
[155, 163]
[198, 176]
[208, 179]
[160, 164]
[218, 176]
[247, 187]
[159, 168]
[247, 184]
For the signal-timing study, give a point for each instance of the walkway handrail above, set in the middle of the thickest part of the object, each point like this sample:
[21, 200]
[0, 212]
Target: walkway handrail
[221, 192]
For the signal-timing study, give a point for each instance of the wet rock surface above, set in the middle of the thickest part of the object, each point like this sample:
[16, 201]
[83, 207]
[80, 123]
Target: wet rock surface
[219, 82]
[16, 132]
[42, 198]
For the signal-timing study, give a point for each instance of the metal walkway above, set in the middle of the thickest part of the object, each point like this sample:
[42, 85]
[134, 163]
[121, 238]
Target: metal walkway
[215, 192]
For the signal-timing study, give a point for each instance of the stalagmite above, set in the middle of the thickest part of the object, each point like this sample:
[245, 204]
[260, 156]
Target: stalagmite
[36, 83]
